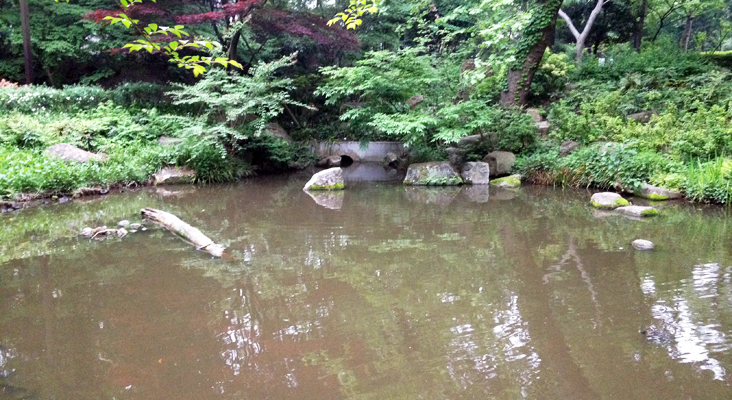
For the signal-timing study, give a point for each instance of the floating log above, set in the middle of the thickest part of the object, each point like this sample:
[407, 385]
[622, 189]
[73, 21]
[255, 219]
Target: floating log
[180, 228]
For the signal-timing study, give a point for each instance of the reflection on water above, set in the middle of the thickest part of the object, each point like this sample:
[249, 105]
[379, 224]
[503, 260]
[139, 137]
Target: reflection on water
[402, 293]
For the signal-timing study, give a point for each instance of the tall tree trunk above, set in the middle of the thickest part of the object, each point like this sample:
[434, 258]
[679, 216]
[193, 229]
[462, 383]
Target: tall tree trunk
[640, 21]
[534, 40]
[27, 50]
[581, 37]
[687, 32]
[234, 45]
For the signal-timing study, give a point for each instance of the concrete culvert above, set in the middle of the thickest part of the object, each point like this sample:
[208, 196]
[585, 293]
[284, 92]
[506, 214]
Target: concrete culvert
[346, 161]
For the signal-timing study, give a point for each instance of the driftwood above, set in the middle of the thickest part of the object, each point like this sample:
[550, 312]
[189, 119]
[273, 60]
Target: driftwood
[177, 226]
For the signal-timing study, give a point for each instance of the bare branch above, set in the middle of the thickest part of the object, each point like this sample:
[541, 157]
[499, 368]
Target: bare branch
[568, 20]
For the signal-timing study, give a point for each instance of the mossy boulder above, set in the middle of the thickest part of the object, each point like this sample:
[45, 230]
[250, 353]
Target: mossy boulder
[637, 211]
[327, 179]
[512, 181]
[608, 200]
[656, 193]
[432, 174]
[175, 176]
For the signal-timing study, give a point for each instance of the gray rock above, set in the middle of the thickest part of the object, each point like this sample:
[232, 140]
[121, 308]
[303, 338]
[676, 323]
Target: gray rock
[67, 152]
[643, 117]
[123, 224]
[456, 157]
[169, 142]
[415, 100]
[656, 193]
[63, 199]
[474, 140]
[637, 211]
[608, 200]
[542, 128]
[642, 244]
[327, 179]
[535, 114]
[432, 174]
[86, 232]
[500, 162]
[121, 232]
[568, 148]
[470, 140]
[276, 130]
[135, 227]
[174, 175]
[476, 173]
[332, 200]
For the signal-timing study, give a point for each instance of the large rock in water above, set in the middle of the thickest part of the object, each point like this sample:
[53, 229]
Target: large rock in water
[637, 211]
[68, 152]
[500, 162]
[608, 200]
[656, 193]
[476, 173]
[433, 174]
[512, 181]
[642, 244]
[327, 179]
[174, 175]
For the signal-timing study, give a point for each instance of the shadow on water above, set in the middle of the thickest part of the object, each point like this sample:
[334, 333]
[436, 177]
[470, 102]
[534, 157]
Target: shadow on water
[380, 291]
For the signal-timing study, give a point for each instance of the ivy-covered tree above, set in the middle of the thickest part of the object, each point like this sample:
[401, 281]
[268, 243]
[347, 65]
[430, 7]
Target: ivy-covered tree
[529, 50]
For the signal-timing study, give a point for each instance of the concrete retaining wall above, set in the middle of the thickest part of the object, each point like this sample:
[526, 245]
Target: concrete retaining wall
[371, 151]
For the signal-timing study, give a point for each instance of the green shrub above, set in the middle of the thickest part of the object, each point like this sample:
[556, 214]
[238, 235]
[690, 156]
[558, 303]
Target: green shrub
[43, 99]
[709, 181]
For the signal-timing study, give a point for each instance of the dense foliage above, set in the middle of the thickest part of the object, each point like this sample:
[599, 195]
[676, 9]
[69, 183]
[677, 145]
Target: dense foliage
[427, 73]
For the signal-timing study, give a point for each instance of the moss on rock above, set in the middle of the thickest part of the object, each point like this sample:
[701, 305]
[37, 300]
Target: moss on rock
[337, 186]
[507, 181]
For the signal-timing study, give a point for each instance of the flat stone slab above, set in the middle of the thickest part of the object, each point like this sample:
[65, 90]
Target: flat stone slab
[608, 200]
[651, 192]
[432, 174]
[174, 176]
[642, 244]
[67, 152]
[327, 179]
[637, 211]
[512, 181]
[476, 173]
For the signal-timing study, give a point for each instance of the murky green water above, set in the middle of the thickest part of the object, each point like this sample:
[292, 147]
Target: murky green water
[386, 292]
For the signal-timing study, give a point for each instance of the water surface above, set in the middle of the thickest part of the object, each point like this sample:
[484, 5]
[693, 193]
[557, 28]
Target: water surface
[379, 292]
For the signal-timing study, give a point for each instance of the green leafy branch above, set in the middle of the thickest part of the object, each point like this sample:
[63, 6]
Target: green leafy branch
[351, 17]
[170, 49]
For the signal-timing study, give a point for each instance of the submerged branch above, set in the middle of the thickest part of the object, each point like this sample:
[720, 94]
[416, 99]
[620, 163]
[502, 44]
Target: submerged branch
[177, 226]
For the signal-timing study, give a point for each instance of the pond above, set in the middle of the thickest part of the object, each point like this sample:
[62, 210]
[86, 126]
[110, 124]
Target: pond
[381, 292]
